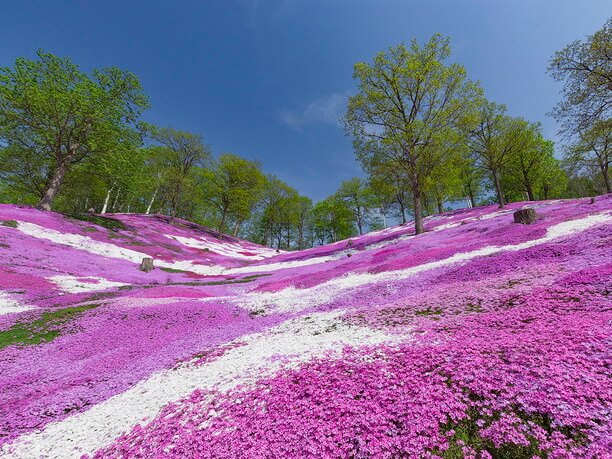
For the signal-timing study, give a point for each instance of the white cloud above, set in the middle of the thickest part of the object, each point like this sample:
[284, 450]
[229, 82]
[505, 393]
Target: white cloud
[327, 110]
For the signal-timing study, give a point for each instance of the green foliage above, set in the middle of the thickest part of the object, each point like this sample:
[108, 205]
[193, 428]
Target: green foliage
[424, 134]
[233, 186]
[406, 111]
[585, 67]
[105, 222]
[9, 223]
[359, 199]
[279, 211]
[332, 221]
[492, 138]
[592, 154]
[173, 270]
[49, 326]
[180, 158]
[53, 116]
[532, 171]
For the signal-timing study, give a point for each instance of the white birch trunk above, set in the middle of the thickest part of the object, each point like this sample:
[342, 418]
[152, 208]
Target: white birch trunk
[116, 199]
[151, 203]
[105, 206]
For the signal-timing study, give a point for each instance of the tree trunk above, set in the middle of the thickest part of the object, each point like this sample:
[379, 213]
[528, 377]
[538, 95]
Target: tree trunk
[416, 200]
[116, 199]
[418, 213]
[300, 236]
[151, 202]
[402, 210]
[174, 201]
[529, 189]
[471, 195]
[498, 189]
[439, 204]
[237, 228]
[105, 206]
[53, 186]
[606, 177]
[222, 223]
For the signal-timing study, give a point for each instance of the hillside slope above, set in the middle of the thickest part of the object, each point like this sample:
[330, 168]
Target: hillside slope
[480, 335]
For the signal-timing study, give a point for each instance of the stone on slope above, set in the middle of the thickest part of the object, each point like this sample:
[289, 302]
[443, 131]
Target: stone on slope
[146, 264]
[525, 216]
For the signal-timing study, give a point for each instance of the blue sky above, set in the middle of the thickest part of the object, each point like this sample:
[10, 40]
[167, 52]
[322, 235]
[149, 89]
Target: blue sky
[268, 79]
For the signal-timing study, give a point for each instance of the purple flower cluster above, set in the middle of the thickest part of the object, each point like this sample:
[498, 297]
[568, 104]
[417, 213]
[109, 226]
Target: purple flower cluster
[525, 380]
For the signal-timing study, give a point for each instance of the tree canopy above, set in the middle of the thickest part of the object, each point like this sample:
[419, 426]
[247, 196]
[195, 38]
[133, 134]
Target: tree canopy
[585, 68]
[407, 106]
[56, 116]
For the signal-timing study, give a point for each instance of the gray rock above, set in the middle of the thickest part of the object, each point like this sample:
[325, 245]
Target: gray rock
[146, 264]
[525, 216]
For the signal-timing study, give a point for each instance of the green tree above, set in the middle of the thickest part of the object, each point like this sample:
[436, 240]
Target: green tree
[407, 102]
[53, 112]
[386, 180]
[276, 197]
[585, 68]
[383, 196]
[182, 151]
[24, 172]
[470, 177]
[358, 199]
[553, 181]
[302, 215]
[533, 157]
[593, 151]
[493, 139]
[332, 220]
[444, 182]
[233, 186]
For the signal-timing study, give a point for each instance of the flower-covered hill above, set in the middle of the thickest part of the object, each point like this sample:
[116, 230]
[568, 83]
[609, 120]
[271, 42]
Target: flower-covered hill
[480, 338]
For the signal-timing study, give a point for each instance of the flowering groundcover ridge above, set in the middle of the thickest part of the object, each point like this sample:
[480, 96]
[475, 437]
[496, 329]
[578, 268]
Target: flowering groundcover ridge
[480, 338]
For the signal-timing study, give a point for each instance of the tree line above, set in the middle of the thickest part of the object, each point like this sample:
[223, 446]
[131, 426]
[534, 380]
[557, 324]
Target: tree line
[424, 133]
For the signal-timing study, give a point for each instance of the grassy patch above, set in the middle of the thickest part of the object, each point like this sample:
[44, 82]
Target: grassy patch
[255, 276]
[105, 222]
[42, 330]
[242, 280]
[429, 312]
[172, 270]
[100, 296]
[9, 223]
[474, 307]
[467, 433]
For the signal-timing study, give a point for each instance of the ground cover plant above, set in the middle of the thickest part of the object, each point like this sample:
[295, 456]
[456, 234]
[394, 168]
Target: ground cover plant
[480, 338]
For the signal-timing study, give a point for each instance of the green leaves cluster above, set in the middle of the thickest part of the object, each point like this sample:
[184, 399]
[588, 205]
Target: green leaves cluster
[406, 111]
[55, 116]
